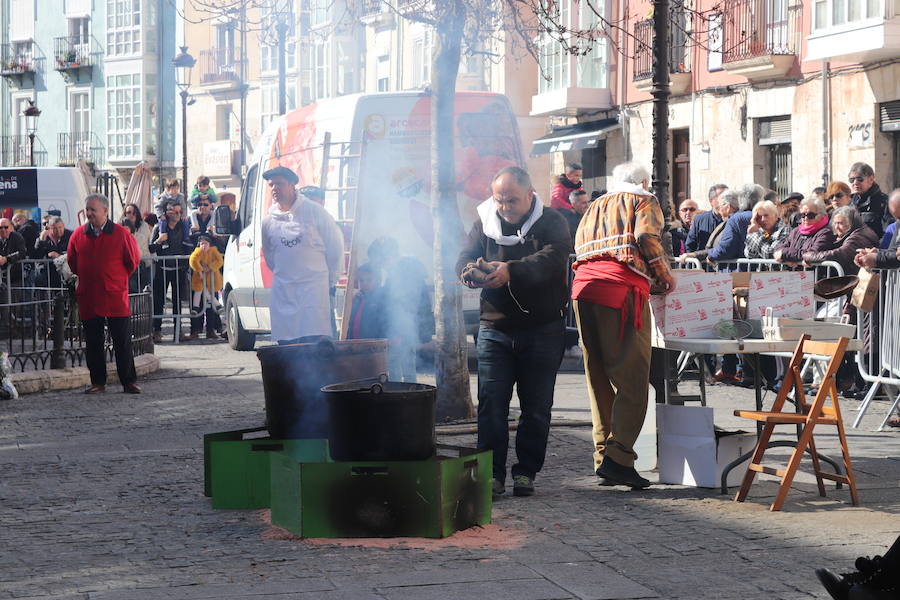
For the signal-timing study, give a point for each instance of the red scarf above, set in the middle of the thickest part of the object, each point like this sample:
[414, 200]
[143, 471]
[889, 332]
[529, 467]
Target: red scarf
[811, 229]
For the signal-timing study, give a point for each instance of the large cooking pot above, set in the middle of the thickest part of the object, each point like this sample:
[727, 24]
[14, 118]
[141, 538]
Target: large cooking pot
[380, 421]
[293, 376]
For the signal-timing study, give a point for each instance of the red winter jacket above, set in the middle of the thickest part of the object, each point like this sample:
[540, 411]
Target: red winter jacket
[103, 265]
[559, 195]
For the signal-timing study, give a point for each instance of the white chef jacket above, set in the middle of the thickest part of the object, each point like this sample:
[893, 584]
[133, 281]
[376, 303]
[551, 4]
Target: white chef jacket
[304, 249]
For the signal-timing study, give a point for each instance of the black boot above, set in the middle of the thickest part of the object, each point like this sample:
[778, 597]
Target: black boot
[869, 572]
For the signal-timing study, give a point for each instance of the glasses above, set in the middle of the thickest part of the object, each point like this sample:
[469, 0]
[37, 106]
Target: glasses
[4, 226]
[203, 204]
[838, 195]
[857, 179]
[807, 215]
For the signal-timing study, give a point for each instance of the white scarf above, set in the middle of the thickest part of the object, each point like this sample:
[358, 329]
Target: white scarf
[490, 222]
[623, 187]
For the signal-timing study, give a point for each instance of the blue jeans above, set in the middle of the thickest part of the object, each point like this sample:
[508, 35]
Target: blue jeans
[528, 359]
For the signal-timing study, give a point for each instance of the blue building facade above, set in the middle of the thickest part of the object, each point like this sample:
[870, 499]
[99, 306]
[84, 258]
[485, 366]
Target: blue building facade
[100, 71]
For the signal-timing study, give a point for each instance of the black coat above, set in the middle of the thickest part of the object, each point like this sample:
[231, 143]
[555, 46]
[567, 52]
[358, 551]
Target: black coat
[844, 250]
[13, 248]
[872, 207]
[887, 259]
[29, 232]
[537, 293]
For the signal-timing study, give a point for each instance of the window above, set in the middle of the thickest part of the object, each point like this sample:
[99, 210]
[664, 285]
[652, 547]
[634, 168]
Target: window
[225, 43]
[79, 30]
[318, 12]
[383, 73]
[554, 61]
[320, 66]
[423, 46]
[123, 116]
[590, 65]
[223, 122]
[270, 101]
[591, 69]
[714, 58]
[346, 67]
[21, 24]
[20, 103]
[79, 112]
[248, 198]
[123, 27]
[835, 13]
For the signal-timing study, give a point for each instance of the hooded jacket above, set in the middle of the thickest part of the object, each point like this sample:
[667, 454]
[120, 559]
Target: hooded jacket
[872, 207]
[559, 196]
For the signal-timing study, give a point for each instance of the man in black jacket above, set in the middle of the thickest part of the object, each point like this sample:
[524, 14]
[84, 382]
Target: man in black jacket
[523, 305]
[52, 243]
[888, 258]
[868, 198]
[170, 272]
[12, 250]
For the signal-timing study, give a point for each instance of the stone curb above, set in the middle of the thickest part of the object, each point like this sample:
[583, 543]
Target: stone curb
[76, 377]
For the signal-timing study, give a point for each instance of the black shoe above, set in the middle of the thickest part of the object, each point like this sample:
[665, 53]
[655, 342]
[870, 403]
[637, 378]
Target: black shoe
[868, 571]
[601, 480]
[621, 475]
[523, 485]
[497, 488]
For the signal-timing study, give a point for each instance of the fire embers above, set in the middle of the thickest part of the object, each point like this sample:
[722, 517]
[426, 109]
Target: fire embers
[477, 272]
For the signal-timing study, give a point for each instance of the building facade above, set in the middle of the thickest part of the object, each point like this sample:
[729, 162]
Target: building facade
[100, 73]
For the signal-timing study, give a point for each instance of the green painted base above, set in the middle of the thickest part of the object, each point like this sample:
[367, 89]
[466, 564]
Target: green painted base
[236, 470]
[432, 498]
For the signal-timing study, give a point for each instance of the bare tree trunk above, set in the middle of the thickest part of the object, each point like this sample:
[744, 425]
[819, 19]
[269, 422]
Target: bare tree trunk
[451, 361]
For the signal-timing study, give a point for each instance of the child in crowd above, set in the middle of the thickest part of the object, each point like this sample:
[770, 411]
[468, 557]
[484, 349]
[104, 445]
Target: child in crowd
[203, 191]
[171, 196]
[206, 281]
[367, 317]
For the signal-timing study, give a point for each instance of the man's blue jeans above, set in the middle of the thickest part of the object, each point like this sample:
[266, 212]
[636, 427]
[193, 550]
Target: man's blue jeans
[528, 359]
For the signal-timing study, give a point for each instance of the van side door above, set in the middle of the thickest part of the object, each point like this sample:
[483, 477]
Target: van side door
[248, 252]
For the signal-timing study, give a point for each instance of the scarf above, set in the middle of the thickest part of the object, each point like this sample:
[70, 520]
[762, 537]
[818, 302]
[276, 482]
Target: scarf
[622, 187]
[811, 229]
[490, 222]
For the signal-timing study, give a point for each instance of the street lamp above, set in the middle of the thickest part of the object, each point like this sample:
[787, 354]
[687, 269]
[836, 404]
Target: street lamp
[183, 62]
[31, 116]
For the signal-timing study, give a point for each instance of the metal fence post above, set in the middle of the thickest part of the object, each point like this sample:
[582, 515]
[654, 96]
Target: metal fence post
[57, 357]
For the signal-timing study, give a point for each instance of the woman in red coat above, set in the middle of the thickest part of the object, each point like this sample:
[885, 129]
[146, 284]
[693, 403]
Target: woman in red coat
[104, 255]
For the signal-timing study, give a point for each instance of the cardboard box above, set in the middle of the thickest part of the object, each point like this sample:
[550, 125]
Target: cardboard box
[692, 452]
[789, 293]
[691, 310]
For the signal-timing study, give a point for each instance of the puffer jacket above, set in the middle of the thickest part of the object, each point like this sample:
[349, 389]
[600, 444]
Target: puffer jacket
[626, 225]
[797, 243]
[844, 250]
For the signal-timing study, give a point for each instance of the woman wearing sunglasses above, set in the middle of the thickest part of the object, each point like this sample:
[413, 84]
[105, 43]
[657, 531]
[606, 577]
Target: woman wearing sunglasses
[837, 195]
[813, 234]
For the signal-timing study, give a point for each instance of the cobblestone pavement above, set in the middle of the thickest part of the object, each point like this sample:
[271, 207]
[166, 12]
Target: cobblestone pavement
[101, 498]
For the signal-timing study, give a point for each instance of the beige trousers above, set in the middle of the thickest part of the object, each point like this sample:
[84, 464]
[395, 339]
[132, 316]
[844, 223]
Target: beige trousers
[618, 375]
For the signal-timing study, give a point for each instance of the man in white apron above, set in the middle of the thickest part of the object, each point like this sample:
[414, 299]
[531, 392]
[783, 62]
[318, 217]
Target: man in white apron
[304, 249]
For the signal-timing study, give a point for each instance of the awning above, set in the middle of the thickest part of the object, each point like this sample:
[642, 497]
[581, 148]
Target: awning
[581, 136]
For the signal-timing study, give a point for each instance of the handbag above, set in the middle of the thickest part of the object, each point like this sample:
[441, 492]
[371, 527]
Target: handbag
[866, 291]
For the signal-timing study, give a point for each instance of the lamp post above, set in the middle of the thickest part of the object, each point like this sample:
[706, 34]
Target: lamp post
[31, 116]
[183, 62]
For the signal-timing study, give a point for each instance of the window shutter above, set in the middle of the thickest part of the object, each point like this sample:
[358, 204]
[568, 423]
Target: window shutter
[890, 116]
[775, 131]
[21, 25]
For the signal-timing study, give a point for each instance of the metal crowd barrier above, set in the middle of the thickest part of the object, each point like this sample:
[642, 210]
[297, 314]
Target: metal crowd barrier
[879, 362]
[39, 324]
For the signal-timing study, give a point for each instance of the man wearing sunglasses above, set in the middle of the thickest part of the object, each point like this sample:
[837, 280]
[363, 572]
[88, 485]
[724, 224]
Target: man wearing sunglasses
[868, 198]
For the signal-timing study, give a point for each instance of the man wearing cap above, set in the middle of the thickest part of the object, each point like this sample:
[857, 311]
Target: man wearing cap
[790, 209]
[304, 249]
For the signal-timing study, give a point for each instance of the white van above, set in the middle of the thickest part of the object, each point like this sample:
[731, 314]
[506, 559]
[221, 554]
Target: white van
[372, 155]
[49, 188]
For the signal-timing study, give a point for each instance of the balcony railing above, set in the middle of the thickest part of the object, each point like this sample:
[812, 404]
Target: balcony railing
[220, 65]
[15, 151]
[755, 28]
[17, 59]
[80, 145]
[679, 54]
[72, 52]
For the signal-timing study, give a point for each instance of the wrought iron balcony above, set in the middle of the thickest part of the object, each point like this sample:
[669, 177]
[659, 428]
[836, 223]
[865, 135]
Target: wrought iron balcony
[679, 59]
[17, 59]
[72, 52]
[15, 151]
[761, 38]
[80, 145]
[220, 65]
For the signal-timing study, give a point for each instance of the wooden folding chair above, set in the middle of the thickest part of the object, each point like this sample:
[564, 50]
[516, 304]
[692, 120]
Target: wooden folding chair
[806, 417]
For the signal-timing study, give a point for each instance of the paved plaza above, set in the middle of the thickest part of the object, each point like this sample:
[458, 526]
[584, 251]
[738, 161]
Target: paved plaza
[101, 498]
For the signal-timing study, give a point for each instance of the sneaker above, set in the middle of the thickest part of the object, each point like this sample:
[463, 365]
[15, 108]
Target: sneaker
[868, 572]
[621, 475]
[523, 485]
[497, 488]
